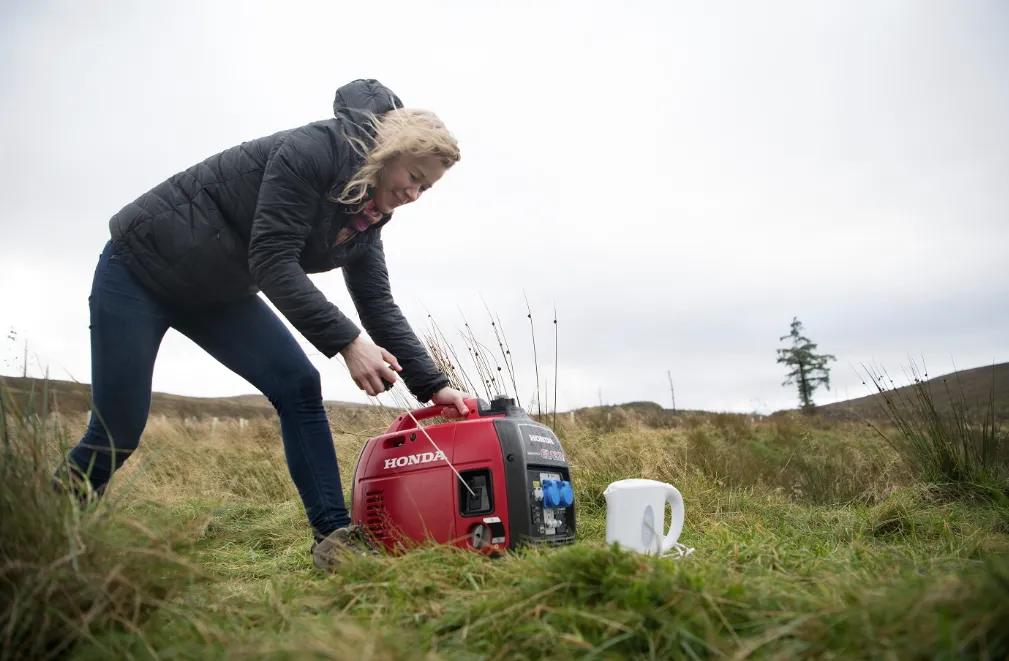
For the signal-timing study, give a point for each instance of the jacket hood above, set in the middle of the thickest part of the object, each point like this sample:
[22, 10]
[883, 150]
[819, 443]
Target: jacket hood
[365, 94]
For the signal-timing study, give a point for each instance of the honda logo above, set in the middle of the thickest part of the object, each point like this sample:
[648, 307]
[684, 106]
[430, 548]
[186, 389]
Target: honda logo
[413, 459]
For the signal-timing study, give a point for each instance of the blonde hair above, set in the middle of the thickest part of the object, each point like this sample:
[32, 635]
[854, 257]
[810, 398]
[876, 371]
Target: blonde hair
[409, 130]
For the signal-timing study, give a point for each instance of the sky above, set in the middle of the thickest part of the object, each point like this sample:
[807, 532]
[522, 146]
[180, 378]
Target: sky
[679, 179]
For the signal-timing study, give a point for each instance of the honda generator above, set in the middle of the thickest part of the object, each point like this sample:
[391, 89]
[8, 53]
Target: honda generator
[491, 481]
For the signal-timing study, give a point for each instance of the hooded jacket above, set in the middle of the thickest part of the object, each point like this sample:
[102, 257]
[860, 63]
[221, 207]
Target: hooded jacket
[258, 218]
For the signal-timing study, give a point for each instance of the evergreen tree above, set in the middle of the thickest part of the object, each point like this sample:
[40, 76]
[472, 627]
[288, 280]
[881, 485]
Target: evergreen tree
[808, 369]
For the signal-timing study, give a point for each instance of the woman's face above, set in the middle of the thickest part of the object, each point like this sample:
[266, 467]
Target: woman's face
[403, 179]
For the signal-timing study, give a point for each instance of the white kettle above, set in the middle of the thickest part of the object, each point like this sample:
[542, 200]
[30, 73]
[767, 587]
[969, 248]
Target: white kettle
[635, 512]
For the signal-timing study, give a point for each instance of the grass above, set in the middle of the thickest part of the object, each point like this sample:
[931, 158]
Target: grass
[67, 575]
[812, 539]
[961, 450]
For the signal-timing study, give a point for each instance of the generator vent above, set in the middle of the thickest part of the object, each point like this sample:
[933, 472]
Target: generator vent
[375, 518]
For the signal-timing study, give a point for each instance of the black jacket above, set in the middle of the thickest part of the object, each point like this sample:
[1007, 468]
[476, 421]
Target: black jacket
[257, 217]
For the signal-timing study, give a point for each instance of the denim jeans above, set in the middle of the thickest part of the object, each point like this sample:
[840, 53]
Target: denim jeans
[127, 326]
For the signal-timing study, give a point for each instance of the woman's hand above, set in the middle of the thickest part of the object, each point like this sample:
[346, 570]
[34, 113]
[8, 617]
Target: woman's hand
[450, 397]
[369, 365]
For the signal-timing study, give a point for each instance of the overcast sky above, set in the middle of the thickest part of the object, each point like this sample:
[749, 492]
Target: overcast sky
[681, 179]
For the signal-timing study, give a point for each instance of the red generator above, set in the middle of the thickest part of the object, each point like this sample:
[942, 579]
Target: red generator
[490, 481]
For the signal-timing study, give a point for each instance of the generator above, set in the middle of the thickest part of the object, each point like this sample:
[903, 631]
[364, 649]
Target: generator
[491, 481]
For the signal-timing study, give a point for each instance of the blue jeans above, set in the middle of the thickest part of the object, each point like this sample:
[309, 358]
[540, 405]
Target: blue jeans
[127, 326]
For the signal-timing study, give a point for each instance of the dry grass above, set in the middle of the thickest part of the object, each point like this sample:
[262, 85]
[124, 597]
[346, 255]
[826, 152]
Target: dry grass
[961, 449]
[66, 573]
[812, 541]
[785, 454]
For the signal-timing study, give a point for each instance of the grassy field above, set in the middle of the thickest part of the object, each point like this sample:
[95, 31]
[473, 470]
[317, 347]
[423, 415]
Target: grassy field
[812, 538]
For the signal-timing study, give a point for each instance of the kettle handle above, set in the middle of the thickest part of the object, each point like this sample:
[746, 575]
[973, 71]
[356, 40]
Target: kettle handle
[675, 501]
[406, 420]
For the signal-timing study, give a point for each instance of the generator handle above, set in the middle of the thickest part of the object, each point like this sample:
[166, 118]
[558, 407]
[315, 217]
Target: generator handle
[404, 421]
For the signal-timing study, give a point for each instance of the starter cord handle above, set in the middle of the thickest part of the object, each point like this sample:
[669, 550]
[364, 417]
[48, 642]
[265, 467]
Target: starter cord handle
[409, 420]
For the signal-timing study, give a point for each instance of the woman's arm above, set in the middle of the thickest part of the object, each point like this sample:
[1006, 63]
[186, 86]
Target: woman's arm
[294, 185]
[367, 280]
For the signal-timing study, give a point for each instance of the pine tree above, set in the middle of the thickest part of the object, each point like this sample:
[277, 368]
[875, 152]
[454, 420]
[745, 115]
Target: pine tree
[809, 369]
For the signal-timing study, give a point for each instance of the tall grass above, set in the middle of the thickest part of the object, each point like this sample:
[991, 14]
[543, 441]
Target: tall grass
[494, 377]
[773, 575]
[813, 540]
[536, 362]
[68, 570]
[779, 572]
[964, 451]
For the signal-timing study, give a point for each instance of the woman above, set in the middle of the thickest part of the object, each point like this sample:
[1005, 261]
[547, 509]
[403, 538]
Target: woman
[194, 251]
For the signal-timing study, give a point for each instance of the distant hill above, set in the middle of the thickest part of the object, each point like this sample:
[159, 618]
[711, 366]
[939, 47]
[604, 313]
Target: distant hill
[976, 385]
[640, 407]
[72, 398]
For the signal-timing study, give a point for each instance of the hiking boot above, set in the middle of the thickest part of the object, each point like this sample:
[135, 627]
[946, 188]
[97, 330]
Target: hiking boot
[78, 487]
[327, 553]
